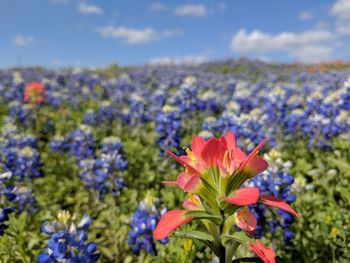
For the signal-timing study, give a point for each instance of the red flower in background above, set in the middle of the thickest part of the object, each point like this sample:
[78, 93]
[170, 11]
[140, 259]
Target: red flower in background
[34, 92]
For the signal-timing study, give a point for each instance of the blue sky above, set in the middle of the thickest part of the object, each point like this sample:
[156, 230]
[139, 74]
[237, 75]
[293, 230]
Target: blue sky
[58, 33]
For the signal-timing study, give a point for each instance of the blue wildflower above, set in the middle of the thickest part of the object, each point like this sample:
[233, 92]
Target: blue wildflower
[67, 241]
[143, 223]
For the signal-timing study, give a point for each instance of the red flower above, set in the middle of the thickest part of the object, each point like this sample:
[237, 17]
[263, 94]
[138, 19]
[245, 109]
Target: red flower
[246, 221]
[265, 253]
[249, 196]
[34, 92]
[188, 183]
[244, 196]
[270, 200]
[176, 218]
[169, 222]
[222, 154]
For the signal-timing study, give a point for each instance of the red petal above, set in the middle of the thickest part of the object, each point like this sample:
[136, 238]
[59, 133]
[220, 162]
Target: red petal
[231, 141]
[212, 151]
[255, 166]
[239, 156]
[253, 153]
[248, 226]
[265, 253]
[169, 222]
[223, 141]
[177, 158]
[197, 145]
[257, 148]
[192, 204]
[184, 161]
[271, 200]
[244, 196]
[189, 183]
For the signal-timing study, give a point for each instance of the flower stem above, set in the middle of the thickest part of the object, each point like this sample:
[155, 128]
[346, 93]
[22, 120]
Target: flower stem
[222, 254]
[222, 258]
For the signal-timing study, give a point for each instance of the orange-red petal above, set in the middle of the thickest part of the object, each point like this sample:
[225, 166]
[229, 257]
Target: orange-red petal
[247, 222]
[244, 196]
[231, 141]
[192, 203]
[212, 151]
[265, 253]
[197, 145]
[184, 160]
[169, 222]
[255, 166]
[273, 201]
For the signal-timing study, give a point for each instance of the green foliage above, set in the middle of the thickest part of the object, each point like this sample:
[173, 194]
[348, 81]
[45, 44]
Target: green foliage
[322, 234]
[323, 185]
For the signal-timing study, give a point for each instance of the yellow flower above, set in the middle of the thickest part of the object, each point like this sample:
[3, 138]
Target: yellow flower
[64, 217]
[334, 232]
[188, 245]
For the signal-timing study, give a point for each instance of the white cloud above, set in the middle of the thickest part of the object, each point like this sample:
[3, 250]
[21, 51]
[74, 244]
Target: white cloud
[307, 46]
[21, 40]
[191, 10]
[136, 36]
[158, 7]
[343, 27]
[85, 8]
[305, 15]
[179, 60]
[341, 9]
[313, 54]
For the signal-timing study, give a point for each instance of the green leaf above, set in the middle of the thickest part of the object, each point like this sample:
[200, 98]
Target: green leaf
[246, 260]
[201, 214]
[239, 237]
[197, 235]
[194, 234]
[211, 190]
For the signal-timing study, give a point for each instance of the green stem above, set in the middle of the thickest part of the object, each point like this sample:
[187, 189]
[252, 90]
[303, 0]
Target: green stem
[231, 251]
[222, 257]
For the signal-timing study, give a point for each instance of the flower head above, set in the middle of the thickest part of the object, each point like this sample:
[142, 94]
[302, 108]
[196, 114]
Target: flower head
[34, 92]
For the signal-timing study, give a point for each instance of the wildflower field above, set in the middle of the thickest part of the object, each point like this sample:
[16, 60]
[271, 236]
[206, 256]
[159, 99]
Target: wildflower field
[175, 164]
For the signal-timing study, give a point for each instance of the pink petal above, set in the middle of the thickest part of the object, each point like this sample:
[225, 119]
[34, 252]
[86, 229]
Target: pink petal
[265, 253]
[257, 148]
[248, 226]
[231, 141]
[191, 204]
[223, 141]
[253, 153]
[184, 160]
[197, 145]
[255, 166]
[212, 151]
[239, 156]
[177, 158]
[169, 222]
[189, 183]
[244, 196]
[271, 200]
